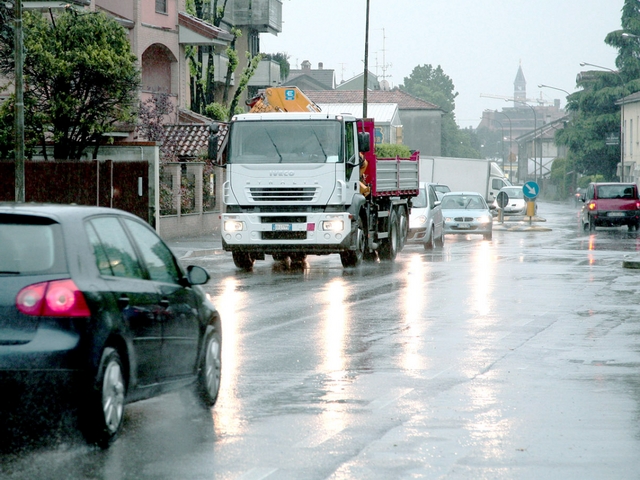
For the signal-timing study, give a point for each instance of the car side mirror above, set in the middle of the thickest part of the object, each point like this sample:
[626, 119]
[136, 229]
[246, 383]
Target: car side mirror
[197, 275]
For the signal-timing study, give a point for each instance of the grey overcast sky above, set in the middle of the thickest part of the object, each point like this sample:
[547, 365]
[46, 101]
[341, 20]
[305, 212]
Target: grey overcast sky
[478, 43]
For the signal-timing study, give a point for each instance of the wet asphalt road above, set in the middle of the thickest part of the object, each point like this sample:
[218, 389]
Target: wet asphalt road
[514, 358]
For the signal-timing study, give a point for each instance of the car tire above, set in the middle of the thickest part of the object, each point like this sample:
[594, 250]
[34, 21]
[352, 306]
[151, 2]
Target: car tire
[488, 236]
[208, 384]
[430, 243]
[403, 229]
[104, 411]
[243, 260]
[592, 223]
[440, 240]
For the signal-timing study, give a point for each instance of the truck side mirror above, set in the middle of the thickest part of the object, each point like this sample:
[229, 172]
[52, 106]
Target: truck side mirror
[364, 141]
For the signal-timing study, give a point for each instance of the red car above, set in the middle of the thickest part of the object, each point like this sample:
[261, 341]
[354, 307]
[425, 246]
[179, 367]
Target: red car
[611, 205]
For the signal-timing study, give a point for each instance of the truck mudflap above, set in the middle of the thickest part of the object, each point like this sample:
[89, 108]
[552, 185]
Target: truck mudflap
[304, 232]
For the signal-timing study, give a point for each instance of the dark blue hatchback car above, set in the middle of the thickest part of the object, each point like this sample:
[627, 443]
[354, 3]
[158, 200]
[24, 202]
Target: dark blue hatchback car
[92, 299]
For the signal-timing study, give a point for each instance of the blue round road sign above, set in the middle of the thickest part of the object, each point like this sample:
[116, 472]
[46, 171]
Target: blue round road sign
[530, 189]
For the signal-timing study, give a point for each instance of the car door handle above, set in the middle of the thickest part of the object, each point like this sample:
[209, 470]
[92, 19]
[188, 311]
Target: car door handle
[164, 303]
[123, 302]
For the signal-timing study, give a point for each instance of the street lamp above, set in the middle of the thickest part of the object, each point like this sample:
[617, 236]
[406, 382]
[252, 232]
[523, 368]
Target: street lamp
[583, 64]
[19, 104]
[366, 65]
[535, 127]
[510, 166]
[501, 139]
[554, 88]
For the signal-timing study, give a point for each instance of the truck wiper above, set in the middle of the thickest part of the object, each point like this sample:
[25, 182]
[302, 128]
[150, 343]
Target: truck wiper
[320, 143]
[274, 144]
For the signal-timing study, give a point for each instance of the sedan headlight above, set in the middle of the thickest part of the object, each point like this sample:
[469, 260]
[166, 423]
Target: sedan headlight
[333, 225]
[485, 219]
[233, 226]
[448, 220]
[421, 219]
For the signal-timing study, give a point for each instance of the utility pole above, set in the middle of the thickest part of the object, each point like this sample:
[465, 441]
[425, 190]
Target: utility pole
[19, 105]
[366, 64]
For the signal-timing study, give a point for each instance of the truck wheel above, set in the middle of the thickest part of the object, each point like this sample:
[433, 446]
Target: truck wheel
[243, 260]
[353, 258]
[298, 257]
[389, 246]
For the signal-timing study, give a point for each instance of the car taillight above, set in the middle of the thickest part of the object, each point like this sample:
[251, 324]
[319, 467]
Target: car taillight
[637, 205]
[58, 298]
[591, 205]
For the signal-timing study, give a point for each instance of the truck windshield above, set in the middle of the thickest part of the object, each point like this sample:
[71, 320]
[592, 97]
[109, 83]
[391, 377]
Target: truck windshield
[286, 141]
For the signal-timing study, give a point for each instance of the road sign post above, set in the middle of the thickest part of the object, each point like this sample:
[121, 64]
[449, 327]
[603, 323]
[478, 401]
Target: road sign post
[531, 190]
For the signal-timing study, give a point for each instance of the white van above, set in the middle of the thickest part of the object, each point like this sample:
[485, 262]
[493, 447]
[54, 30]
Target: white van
[425, 222]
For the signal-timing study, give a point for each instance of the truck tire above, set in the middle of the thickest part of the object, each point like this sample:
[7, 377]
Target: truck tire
[243, 260]
[389, 246]
[353, 258]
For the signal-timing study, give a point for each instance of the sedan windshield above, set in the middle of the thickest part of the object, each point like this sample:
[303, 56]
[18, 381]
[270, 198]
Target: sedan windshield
[463, 202]
[285, 142]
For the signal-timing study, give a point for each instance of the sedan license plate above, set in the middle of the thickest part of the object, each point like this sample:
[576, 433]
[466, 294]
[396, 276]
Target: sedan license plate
[615, 214]
[281, 227]
[464, 225]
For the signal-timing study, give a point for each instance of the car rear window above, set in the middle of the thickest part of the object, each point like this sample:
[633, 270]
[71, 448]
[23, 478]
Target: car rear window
[616, 191]
[30, 245]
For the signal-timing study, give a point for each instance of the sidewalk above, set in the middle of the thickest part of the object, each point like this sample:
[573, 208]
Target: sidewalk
[185, 247]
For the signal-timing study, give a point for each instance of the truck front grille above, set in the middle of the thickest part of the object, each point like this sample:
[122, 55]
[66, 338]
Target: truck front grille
[282, 194]
[284, 235]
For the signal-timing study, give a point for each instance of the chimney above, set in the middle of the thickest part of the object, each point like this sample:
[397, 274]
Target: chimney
[320, 65]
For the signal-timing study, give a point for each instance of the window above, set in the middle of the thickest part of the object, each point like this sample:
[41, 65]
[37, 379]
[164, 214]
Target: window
[155, 254]
[161, 6]
[113, 251]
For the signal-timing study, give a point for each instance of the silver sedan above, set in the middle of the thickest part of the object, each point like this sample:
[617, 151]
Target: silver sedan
[466, 213]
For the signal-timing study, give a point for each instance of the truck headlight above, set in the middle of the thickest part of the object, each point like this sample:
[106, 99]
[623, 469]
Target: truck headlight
[333, 225]
[233, 226]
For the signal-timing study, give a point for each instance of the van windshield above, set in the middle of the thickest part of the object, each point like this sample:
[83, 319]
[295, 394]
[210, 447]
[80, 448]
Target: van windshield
[285, 141]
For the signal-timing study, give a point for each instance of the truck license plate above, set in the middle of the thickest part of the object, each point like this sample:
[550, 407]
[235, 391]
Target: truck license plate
[279, 227]
[615, 214]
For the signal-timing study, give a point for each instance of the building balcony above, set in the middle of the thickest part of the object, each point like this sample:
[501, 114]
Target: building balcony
[266, 75]
[264, 16]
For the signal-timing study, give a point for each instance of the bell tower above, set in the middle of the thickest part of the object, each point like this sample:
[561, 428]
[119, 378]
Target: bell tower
[520, 87]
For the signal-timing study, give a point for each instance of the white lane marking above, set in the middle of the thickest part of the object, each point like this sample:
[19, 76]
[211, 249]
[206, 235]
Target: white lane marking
[318, 438]
[257, 473]
[381, 402]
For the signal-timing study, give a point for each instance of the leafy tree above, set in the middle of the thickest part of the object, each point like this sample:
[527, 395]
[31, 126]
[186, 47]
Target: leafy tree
[80, 79]
[283, 60]
[434, 86]
[392, 150]
[593, 109]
